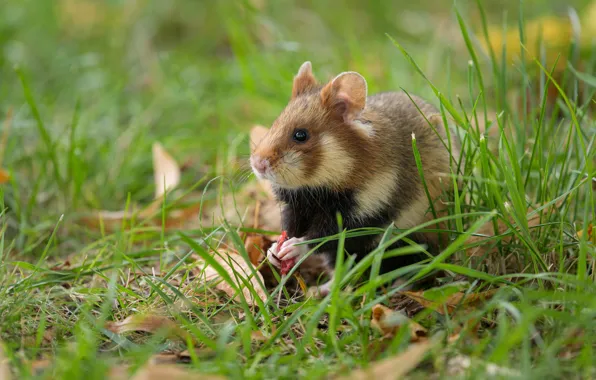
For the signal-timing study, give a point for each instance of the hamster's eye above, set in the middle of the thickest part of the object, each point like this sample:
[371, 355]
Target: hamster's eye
[300, 135]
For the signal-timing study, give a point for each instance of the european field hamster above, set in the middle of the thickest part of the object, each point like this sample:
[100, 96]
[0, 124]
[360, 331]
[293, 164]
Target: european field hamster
[335, 149]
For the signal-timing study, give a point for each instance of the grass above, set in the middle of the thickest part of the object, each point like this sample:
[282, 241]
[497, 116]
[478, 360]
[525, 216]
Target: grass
[88, 87]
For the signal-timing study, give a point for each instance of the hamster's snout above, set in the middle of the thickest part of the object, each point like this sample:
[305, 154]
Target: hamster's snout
[260, 165]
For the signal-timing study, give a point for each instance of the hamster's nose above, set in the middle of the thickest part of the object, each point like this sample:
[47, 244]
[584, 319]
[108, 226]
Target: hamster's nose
[259, 164]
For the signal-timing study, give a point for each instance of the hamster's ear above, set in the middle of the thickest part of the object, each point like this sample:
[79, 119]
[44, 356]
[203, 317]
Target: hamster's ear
[304, 80]
[345, 95]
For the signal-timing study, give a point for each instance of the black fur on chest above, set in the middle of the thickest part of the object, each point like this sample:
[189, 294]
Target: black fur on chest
[312, 213]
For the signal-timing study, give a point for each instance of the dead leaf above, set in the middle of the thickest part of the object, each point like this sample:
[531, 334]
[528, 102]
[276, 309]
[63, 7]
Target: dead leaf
[590, 236]
[169, 358]
[4, 176]
[255, 245]
[5, 373]
[159, 372]
[49, 335]
[394, 367]
[239, 271]
[452, 302]
[166, 172]
[258, 336]
[166, 176]
[38, 366]
[147, 323]
[389, 322]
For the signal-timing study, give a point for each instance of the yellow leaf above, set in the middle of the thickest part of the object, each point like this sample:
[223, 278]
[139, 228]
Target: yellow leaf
[590, 236]
[395, 367]
[4, 176]
[166, 171]
[239, 271]
[555, 34]
[389, 322]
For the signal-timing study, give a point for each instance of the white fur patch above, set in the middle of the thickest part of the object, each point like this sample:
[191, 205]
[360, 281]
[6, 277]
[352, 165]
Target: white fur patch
[336, 163]
[290, 171]
[414, 214]
[366, 128]
[376, 194]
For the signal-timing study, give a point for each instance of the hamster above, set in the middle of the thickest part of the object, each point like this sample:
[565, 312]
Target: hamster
[334, 149]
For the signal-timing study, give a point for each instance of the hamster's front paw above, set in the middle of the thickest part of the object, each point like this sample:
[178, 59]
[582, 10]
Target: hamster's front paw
[289, 250]
[272, 256]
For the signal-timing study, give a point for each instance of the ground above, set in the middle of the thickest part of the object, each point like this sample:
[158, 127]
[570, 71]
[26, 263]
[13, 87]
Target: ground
[100, 99]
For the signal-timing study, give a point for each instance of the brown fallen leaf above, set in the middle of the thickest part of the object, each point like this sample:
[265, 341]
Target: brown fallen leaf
[590, 235]
[147, 323]
[166, 172]
[166, 176]
[38, 366]
[152, 371]
[394, 367]
[389, 322]
[258, 336]
[452, 302]
[5, 373]
[239, 271]
[4, 176]
[255, 245]
[164, 358]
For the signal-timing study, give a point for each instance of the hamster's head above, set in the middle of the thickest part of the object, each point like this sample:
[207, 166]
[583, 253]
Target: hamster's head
[317, 139]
